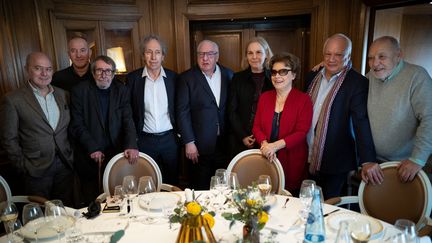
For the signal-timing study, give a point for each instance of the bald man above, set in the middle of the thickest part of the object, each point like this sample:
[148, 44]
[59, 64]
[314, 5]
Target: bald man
[79, 53]
[33, 132]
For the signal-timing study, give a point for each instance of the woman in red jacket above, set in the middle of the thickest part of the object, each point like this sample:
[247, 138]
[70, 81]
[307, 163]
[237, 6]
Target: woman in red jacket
[283, 119]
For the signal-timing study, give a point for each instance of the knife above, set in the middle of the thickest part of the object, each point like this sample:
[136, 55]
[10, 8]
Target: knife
[334, 211]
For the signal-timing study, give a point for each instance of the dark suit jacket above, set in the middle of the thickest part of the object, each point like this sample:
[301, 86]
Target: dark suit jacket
[136, 84]
[88, 126]
[240, 102]
[198, 116]
[343, 152]
[26, 134]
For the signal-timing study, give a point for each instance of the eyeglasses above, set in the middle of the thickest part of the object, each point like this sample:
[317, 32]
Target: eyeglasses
[108, 72]
[150, 52]
[281, 72]
[209, 54]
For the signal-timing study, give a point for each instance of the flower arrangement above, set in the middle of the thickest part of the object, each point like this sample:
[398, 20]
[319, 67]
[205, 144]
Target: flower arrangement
[251, 210]
[195, 219]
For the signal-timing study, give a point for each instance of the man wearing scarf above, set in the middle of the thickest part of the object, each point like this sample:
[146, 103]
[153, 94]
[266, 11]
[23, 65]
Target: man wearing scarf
[340, 137]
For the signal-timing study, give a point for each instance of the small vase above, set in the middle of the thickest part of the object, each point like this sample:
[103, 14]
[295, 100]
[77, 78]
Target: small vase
[250, 234]
[195, 229]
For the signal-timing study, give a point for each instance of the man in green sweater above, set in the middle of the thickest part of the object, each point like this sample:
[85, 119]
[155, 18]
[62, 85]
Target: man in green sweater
[400, 111]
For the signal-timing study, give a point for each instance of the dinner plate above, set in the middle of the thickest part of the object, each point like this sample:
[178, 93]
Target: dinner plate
[156, 200]
[333, 221]
[47, 227]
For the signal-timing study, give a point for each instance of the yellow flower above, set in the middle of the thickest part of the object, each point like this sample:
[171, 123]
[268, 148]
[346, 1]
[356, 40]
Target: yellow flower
[193, 208]
[263, 217]
[251, 202]
[210, 220]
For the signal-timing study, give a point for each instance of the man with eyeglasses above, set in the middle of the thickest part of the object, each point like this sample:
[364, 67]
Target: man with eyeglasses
[79, 53]
[101, 122]
[340, 137]
[201, 114]
[33, 131]
[152, 92]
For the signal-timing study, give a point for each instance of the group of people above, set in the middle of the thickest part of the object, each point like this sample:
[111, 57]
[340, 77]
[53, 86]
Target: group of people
[343, 121]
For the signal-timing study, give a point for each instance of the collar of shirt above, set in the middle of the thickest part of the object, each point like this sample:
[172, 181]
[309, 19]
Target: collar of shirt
[395, 72]
[333, 77]
[217, 69]
[36, 91]
[146, 74]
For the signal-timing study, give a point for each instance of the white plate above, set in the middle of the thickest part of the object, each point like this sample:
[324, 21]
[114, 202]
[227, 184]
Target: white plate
[158, 200]
[333, 221]
[47, 227]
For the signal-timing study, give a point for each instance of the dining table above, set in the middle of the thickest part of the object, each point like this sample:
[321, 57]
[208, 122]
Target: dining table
[145, 219]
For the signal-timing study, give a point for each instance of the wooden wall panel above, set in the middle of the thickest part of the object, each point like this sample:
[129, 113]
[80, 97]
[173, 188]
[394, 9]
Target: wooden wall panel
[416, 43]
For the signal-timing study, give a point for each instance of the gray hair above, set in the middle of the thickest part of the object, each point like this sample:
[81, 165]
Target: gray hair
[148, 38]
[348, 43]
[208, 41]
[391, 40]
[105, 59]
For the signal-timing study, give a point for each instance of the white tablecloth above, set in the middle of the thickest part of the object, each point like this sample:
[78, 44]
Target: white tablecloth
[281, 219]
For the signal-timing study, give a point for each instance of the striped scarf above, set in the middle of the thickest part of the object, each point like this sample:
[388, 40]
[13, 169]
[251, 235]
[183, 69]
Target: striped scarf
[323, 119]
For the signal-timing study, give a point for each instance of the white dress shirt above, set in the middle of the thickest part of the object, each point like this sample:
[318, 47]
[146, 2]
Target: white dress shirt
[156, 114]
[215, 83]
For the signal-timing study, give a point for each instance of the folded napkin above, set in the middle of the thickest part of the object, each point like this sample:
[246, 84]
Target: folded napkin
[281, 224]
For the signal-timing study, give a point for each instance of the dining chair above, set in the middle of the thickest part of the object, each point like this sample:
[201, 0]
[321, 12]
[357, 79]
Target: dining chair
[251, 163]
[118, 167]
[393, 199]
[6, 195]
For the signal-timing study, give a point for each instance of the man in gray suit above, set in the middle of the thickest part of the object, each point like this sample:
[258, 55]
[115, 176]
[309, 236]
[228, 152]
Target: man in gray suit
[33, 132]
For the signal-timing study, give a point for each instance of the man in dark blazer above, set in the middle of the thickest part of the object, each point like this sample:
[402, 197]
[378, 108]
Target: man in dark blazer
[34, 132]
[201, 106]
[101, 123]
[340, 138]
[152, 92]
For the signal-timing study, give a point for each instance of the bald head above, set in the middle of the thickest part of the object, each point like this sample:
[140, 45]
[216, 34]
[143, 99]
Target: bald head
[39, 69]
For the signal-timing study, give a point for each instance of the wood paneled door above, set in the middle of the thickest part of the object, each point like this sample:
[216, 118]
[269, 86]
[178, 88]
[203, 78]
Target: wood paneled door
[284, 34]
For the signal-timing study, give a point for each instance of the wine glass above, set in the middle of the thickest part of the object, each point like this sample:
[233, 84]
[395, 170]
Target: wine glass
[8, 215]
[55, 215]
[129, 188]
[223, 180]
[118, 194]
[408, 229]
[233, 181]
[360, 230]
[145, 186]
[306, 193]
[32, 218]
[264, 186]
[215, 182]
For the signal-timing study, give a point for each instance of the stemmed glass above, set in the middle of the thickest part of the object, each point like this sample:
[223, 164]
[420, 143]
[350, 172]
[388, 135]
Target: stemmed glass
[129, 188]
[145, 186]
[55, 214]
[264, 186]
[8, 215]
[215, 182]
[223, 180]
[306, 193]
[360, 230]
[408, 229]
[233, 181]
[33, 218]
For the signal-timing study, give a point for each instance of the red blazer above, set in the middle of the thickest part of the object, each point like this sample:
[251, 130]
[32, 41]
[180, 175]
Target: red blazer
[295, 123]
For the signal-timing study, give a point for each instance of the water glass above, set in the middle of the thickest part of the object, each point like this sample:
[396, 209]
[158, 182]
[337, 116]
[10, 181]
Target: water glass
[233, 181]
[306, 192]
[408, 229]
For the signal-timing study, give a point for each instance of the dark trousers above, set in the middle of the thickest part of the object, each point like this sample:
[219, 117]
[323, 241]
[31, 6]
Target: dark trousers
[202, 171]
[55, 183]
[331, 184]
[163, 148]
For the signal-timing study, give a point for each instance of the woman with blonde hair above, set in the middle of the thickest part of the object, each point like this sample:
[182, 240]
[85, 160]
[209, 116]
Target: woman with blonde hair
[246, 88]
